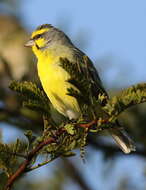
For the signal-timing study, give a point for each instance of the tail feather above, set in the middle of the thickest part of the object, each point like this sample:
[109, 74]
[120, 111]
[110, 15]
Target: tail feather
[123, 140]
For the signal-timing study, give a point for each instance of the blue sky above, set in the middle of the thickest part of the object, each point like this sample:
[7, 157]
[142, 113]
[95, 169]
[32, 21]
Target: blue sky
[114, 29]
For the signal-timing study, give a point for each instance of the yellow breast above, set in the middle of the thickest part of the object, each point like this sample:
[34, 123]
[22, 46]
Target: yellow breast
[54, 81]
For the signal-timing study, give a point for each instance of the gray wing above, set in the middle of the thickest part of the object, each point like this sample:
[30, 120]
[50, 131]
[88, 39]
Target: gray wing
[124, 142]
[86, 66]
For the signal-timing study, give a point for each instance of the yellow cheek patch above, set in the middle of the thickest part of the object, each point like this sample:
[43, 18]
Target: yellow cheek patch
[41, 42]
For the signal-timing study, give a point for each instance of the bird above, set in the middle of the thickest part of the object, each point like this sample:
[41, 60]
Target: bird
[50, 45]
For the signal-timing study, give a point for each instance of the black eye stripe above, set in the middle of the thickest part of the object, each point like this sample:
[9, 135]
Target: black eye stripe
[37, 36]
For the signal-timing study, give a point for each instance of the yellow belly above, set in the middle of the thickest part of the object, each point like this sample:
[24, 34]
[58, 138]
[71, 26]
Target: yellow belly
[54, 81]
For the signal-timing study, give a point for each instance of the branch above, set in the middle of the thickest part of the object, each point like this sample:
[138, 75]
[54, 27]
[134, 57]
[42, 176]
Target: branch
[42, 164]
[99, 122]
[26, 163]
[131, 96]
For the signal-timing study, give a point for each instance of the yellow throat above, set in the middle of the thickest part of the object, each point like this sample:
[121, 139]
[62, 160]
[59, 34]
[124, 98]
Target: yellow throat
[54, 81]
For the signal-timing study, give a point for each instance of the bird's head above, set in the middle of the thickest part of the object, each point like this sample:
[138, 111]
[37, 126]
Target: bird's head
[46, 36]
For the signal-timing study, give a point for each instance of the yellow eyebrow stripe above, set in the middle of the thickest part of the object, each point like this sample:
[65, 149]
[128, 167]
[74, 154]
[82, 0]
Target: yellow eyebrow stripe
[39, 32]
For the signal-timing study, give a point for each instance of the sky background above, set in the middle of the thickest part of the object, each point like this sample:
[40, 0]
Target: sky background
[113, 34]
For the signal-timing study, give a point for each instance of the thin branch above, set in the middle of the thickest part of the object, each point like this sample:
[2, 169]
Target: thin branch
[88, 125]
[26, 163]
[41, 164]
[99, 122]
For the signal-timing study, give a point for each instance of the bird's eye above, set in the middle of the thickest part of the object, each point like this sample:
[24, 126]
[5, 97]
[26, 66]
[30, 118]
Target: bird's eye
[37, 36]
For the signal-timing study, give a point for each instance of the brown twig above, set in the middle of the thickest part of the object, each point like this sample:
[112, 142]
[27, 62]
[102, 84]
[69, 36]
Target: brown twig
[91, 123]
[88, 125]
[24, 165]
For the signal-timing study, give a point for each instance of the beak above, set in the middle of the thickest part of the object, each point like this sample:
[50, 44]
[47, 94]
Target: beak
[30, 43]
